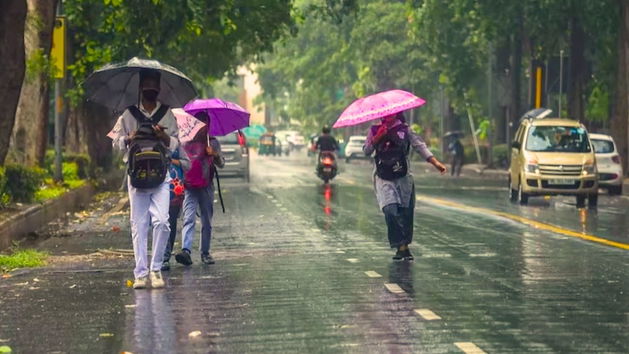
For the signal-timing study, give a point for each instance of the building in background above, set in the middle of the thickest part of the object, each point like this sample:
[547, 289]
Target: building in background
[249, 90]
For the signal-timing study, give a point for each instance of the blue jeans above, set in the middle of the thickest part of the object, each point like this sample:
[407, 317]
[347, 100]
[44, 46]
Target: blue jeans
[202, 199]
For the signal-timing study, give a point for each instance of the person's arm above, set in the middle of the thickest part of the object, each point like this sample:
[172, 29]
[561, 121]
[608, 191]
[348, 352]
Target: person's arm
[419, 145]
[122, 135]
[214, 150]
[184, 159]
[170, 136]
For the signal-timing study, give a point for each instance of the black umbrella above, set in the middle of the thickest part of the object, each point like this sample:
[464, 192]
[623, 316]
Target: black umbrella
[117, 85]
[454, 134]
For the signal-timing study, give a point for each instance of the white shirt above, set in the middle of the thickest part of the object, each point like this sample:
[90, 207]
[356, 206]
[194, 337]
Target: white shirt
[127, 124]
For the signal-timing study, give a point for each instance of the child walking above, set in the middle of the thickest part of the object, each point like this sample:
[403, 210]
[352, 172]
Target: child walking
[205, 155]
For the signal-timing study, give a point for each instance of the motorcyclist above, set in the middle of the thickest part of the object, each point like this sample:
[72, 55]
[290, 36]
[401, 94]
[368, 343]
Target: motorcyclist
[326, 142]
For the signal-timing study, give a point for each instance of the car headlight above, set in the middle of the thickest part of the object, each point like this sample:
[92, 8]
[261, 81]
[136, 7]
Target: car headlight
[532, 168]
[589, 169]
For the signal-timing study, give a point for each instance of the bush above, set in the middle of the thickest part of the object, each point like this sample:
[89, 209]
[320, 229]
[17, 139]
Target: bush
[501, 155]
[4, 195]
[22, 182]
[70, 171]
[82, 161]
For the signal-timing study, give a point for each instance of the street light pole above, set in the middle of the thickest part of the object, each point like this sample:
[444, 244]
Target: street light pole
[560, 81]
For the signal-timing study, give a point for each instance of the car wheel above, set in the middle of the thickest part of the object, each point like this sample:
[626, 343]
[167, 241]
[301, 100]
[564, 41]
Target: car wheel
[615, 190]
[580, 201]
[522, 196]
[593, 200]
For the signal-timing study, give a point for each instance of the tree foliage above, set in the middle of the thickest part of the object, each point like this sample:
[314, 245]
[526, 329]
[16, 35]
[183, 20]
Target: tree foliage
[203, 38]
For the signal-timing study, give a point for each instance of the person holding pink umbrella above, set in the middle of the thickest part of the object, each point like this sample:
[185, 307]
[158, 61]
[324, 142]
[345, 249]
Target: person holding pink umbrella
[392, 141]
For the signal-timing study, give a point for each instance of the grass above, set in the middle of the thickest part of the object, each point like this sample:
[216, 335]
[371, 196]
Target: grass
[27, 258]
[52, 190]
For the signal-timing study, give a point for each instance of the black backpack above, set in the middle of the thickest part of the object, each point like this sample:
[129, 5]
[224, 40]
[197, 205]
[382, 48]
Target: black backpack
[390, 159]
[148, 156]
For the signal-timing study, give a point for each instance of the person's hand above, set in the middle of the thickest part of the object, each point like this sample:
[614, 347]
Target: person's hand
[438, 165]
[210, 151]
[131, 136]
[175, 162]
[382, 131]
[161, 134]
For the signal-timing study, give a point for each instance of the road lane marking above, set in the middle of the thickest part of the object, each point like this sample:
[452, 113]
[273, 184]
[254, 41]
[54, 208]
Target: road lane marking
[525, 221]
[394, 288]
[372, 274]
[352, 260]
[487, 254]
[469, 348]
[427, 314]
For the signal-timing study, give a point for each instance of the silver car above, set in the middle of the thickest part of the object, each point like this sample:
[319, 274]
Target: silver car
[236, 153]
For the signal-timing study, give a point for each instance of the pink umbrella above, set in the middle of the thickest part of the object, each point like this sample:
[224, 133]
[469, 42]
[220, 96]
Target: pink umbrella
[188, 125]
[225, 116]
[376, 106]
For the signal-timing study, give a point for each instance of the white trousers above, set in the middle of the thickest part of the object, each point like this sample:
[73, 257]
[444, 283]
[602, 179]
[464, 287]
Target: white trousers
[149, 206]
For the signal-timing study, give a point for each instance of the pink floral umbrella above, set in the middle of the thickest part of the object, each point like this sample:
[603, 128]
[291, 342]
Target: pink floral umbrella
[376, 106]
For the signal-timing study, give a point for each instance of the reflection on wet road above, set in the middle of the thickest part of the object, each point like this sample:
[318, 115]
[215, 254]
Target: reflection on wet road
[303, 267]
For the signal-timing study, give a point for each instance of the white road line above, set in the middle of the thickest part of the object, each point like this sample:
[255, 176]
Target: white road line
[394, 288]
[469, 348]
[352, 260]
[339, 251]
[372, 274]
[487, 254]
[427, 314]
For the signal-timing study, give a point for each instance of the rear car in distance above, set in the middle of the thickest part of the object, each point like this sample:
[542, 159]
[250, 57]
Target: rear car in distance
[608, 162]
[236, 153]
[354, 147]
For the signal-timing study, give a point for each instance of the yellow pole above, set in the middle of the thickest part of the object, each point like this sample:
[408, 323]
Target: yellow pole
[538, 87]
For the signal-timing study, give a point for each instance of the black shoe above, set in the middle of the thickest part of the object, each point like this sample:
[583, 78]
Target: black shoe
[207, 259]
[165, 266]
[407, 255]
[183, 257]
[399, 255]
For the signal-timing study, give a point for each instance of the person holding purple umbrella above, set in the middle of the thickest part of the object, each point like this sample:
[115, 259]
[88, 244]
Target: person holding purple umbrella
[392, 141]
[205, 155]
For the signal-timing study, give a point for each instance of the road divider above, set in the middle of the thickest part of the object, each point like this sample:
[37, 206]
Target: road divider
[523, 220]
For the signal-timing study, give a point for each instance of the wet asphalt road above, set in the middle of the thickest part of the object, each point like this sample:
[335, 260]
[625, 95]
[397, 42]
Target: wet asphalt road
[306, 268]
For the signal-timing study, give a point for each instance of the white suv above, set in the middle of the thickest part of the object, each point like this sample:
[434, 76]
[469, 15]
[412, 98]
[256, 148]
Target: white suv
[608, 163]
[354, 147]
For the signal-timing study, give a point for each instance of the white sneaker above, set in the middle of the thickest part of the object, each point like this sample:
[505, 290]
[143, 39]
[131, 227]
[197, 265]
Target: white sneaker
[140, 283]
[156, 280]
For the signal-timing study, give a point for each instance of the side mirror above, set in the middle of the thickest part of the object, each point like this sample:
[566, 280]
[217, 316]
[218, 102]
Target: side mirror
[515, 145]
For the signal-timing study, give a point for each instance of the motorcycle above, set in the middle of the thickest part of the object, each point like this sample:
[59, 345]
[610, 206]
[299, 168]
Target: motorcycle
[326, 167]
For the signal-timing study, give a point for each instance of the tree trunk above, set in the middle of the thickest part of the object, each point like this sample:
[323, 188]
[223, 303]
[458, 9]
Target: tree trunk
[620, 108]
[12, 19]
[86, 133]
[30, 133]
[515, 73]
[578, 72]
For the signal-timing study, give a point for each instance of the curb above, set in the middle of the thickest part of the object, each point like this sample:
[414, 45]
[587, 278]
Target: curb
[31, 219]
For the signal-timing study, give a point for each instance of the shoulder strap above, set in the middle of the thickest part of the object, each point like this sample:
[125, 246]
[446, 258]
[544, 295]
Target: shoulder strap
[161, 112]
[139, 116]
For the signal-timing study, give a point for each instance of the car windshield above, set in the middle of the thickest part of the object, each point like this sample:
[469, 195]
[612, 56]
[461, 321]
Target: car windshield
[557, 139]
[602, 146]
[228, 139]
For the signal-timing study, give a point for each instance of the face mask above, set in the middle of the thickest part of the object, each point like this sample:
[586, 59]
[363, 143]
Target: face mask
[150, 94]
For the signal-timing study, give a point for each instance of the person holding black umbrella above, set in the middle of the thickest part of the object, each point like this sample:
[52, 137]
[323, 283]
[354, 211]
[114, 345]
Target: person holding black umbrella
[147, 131]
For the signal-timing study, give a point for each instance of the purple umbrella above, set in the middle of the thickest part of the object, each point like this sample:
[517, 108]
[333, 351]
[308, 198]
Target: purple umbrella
[225, 116]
